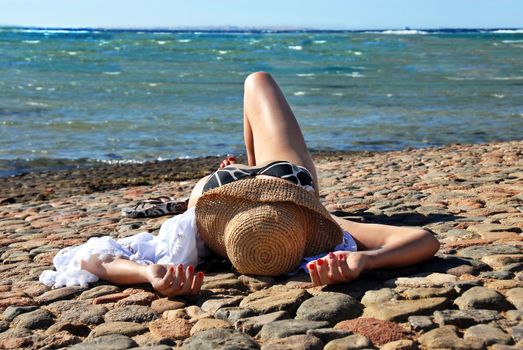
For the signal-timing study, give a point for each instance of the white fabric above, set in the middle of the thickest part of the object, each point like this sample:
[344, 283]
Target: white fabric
[177, 243]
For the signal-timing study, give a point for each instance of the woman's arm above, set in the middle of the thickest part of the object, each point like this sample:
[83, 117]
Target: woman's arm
[378, 246]
[169, 281]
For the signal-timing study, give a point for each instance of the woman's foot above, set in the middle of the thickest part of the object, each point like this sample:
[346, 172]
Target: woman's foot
[230, 159]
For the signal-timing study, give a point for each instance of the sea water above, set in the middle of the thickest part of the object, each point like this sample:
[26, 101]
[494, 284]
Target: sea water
[70, 96]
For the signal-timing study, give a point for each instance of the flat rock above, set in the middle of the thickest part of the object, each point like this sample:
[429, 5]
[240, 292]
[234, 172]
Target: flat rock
[515, 297]
[294, 342]
[400, 310]
[107, 342]
[209, 323]
[422, 293]
[446, 338]
[275, 299]
[234, 313]
[58, 294]
[478, 252]
[99, 291]
[328, 334]
[286, 328]
[481, 298]
[499, 261]
[125, 328]
[84, 313]
[465, 318]
[69, 327]
[378, 331]
[131, 313]
[255, 283]
[421, 323]
[379, 296]
[252, 325]
[498, 275]
[403, 344]
[212, 305]
[177, 329]
[434, 280]
[355, 341]
[482, 228]
[487, 334]
[38, 319]
[220, 339]
[164, 304]
[12, 311]
[330, 307]
[517, 332]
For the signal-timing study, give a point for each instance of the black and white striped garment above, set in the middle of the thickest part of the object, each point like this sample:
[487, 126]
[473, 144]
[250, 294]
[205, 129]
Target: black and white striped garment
[284, 170]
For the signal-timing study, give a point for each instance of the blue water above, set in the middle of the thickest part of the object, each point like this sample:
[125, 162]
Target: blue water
[123, 95]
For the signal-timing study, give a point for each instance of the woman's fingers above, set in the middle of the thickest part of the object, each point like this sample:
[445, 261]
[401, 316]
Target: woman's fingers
[313, 273]
[197, 283]
[188, 280]
[334, 268]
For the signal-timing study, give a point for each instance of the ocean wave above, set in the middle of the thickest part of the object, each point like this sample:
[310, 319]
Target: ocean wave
[506, 31]
[398, 32]
[295, 47]
[512, 41]
[305, 74]
[184, 40]
[517, 77]
[57, 31]
[31, 41]
[299, 93]
[319, 41]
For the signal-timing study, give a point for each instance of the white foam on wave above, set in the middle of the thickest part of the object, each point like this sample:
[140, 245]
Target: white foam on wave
[58, 31]
[399, 32]
[354, 75]
[161, 42]
[299, 93]
[305, 74]
[112, 73]
[184, 40]
[516, 77]
[295, 47]
[223, 52]
[507, 31]
[31, 41]
[319, 41]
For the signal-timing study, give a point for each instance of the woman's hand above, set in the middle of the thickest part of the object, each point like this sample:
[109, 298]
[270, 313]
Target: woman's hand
[337, 267]
[174, 280]
[227, 161]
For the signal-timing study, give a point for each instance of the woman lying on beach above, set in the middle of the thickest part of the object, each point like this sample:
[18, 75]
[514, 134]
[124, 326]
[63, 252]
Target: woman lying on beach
[265, 217]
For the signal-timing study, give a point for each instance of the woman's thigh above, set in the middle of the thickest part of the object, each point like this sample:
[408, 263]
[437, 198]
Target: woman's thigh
[276, 134]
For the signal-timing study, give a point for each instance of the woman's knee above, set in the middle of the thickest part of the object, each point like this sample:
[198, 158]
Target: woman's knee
[256, 80]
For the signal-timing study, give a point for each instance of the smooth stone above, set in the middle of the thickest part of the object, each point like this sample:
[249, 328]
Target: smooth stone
[379, 296]
[252, 325]
[72, 328]
[328, 334]
[131, 313]
[354, 341]
[220, 339]
[4, 325]
[487, 334]
[107, 342]
[498, 275]
[423, 293]
[294, 342]
[99, 291]
[433, 280]
[255, 283]
[515, 297]
[517, 332]
[514, 315]
[234, 313]
[400, 310]
[212, 305]
[330, 307]
[275, 299]
[194, 313]
[209, 323]
[421, 323]
[446, 338]
[228, 283]
[465, 318]
[481, 298]
[86, 314]
[286, 328]
[513, 267]
[177, 329]
[12, 311]
[38, 319]
[125, 328]
[482, 228]
[478, 252]
[501, 260]
[403, 344]
[58, 294]
[164, 304]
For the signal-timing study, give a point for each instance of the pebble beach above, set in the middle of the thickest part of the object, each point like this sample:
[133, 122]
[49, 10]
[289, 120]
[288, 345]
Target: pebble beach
[469, 296]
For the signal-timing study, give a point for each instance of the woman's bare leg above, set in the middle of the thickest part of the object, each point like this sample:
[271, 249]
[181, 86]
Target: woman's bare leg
[271, 131]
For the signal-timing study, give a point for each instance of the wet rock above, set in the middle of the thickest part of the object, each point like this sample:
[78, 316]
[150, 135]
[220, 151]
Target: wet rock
[99, 291]
[177, 329]
[487, 335]
[38, 319]
[328, 334]
[131, 313]
[286, 328]
[400, 310]
[421, 323]
[465, 318]
[379, 296]
[164, 304]
[220, 339]
[330, 307]
[294, 342]
[354, 341]
[275, 299]
[515, 297]
[12, 311]
[125, 328]
[481, 298]
[107, 342]
[378, 331]
[209, 323]
[234, 313]
[252, 325]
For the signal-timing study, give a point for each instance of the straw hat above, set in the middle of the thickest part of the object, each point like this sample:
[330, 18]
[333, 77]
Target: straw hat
[265, 226]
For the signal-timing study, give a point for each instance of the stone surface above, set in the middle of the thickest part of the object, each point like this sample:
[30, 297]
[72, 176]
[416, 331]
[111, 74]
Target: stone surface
[404, 344]
[294, 342]
[354, 341]
[421, 323]
[379, 296]
[487, 335]
[220, 339]
[212, 305]
[400, 310]
[99, 291]
[481, 298]
[178, 329]
[446, 338]
[330, 307]
[164, 304]
[252, 325]
[465, 318]
[12, 311]
[123, 328]
[515, 297]
[209, 323]
[328, 334]
[38, 319]
[107, 342]
[379, 332]
[131, 313]
[234, 313]
[286, 328]
[84, 313]
[275, 299]
[433, 280]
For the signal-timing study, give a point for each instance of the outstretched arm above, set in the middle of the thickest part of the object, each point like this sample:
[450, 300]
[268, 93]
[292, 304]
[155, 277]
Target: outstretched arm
[378, 246]
[168, 280]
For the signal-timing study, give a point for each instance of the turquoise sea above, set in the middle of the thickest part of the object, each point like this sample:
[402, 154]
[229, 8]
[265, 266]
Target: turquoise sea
[74, 96]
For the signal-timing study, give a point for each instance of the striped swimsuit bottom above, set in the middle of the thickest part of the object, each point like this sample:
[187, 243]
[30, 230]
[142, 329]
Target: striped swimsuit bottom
[282, 169]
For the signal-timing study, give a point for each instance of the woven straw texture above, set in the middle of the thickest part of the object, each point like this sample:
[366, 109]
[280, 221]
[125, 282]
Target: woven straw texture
[265, 226]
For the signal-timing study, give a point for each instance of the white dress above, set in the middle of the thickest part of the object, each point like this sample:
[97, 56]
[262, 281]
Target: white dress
[177, 243]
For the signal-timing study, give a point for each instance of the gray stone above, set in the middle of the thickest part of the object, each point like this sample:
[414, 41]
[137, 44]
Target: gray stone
[12, 311]
[463, 286]
[59, 294]
[38, 319]
[294, 342]
[517, 332]
[212, 305]
[73, 328]
[86, 314]
[379, 296]
[330, 307]
[275, 299]
[478, 252]
[446, 338]
[421, 323]
[107, 342]
[481, 298]
[498, 275]
[465, 318]
[131, 313]
[234, 313]
[487, 334]
[125, 328]
[355, 341]
[99, 291]
[4, 326]
[515, 297]
[286, 328]
[514, 267]
[433, 280]
[328, 334]
[514, 315]
[220, 339]
[252, 325]
[400, 310]
[423, 293]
